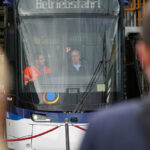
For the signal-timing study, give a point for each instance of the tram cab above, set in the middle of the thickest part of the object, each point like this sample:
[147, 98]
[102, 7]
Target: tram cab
[66, 62]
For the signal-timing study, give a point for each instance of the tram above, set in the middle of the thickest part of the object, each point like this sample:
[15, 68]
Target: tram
[66, 61]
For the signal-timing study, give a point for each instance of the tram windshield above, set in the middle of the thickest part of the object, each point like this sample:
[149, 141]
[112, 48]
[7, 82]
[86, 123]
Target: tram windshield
[64, 58]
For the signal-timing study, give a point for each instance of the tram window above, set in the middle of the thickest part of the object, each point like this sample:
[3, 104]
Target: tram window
[76, 51]
[86, 46]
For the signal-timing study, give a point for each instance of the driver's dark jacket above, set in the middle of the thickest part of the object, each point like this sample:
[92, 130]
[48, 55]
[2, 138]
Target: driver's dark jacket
[83, 70]
[33, 72]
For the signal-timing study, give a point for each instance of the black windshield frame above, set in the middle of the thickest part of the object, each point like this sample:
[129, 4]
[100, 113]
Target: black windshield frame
[63, 15]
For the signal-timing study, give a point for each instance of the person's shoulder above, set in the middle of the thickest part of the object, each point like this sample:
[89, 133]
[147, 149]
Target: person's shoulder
[122, 112]
[47, 69]
[122, 107]
[84, 61]
[26, 68]
[116, 127]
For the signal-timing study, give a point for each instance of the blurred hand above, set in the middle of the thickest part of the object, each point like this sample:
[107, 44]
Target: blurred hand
[68, 49]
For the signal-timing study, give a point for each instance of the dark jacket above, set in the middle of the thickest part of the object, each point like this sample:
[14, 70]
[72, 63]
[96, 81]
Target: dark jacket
[83, 70]
[117, 128]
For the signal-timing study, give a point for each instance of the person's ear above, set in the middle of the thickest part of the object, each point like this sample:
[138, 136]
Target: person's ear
[143, 53]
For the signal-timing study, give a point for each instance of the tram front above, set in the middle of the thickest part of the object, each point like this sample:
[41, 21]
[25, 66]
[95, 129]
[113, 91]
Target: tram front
[68, 64]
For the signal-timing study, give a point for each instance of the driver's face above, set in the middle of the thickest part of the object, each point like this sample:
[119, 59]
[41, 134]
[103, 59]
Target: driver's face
[75, 57]
[41, 60]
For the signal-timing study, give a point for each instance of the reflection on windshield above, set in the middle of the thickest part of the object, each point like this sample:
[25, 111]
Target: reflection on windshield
[61, 55]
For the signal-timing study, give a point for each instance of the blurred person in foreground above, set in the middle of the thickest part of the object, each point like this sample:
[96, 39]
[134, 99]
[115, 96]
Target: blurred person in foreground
[124, 126]
[4, 78]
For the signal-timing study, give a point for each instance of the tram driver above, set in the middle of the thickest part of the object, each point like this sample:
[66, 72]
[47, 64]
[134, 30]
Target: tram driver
[38, 69]
[78, 66]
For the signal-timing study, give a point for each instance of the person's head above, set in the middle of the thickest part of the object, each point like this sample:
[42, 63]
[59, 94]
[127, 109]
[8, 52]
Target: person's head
[143, 46]
[40, 60]
[75, 56]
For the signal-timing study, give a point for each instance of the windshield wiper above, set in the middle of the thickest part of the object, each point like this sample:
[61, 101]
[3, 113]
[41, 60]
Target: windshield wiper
[92, 82]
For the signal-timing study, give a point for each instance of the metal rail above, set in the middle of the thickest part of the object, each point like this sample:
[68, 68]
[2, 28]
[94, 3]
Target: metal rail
[134, 12]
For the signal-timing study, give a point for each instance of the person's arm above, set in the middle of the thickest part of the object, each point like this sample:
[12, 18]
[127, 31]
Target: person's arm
[47, 70]
[27, 77]
[86, 66]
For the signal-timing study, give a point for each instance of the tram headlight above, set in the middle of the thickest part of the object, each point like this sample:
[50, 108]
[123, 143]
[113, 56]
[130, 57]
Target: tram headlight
[40, 118]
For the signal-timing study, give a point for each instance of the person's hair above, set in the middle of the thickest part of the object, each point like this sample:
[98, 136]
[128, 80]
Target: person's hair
[36, 56]
[146, 25]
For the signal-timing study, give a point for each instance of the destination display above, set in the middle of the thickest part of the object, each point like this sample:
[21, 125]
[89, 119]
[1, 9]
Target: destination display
[85, 4]
[68, 6]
